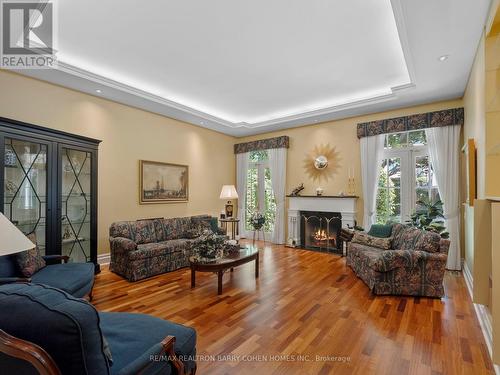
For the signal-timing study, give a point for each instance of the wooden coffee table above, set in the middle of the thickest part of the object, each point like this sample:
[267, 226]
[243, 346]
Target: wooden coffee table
[220, 265]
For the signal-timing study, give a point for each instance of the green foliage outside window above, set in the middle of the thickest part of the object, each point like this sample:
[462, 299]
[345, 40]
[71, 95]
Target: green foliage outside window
[251, 198]
[257, 160]
[388, 203]
[270, 202]
[257, 156]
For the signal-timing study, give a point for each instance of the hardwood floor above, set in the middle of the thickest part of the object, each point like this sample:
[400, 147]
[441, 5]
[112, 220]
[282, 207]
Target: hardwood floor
[307, 304]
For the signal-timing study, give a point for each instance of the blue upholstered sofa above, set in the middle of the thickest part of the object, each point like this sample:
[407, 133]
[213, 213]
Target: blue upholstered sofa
[72, 334]
[75, 278]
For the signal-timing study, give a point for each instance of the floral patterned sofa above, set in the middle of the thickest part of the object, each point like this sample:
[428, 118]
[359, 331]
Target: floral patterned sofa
[414, 265]
[144, 248]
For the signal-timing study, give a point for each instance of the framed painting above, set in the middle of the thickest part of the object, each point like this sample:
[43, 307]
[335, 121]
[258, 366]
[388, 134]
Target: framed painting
[163, 182]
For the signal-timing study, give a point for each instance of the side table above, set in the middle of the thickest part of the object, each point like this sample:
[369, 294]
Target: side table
[234, 226]
[346, 236]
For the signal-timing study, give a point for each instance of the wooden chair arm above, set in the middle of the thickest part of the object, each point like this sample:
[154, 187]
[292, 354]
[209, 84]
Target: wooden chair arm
[168, 346]
[27, 351]
[167, 350]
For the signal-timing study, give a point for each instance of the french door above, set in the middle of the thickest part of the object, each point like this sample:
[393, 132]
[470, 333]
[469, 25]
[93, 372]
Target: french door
[260, 197]
[406, 177]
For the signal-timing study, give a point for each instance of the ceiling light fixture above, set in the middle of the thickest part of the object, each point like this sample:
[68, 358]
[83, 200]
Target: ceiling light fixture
[443, 58]
[98, 91]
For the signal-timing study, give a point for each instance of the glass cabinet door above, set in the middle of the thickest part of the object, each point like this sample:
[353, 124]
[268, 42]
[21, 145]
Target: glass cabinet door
[76, 204]
[25, 187]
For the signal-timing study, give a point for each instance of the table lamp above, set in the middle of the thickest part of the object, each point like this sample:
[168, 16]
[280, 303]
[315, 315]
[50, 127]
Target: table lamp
[229, 192]
[12, 240]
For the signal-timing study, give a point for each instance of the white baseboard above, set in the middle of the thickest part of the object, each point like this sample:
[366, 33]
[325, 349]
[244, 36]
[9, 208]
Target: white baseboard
[103, 258]
[482, 315]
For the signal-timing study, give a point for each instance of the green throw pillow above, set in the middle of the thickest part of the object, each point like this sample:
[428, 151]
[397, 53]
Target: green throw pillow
[214, 224]
[380, 230]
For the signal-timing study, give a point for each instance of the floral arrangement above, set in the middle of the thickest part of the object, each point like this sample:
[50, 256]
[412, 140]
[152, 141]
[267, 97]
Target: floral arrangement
[257, 220]
[210, 246]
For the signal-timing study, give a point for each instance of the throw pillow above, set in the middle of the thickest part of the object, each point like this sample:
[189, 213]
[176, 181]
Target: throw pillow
[397, 235]
[408, 239]
[428, 241]
[191, 233]
[380, 230]
[30, 261]
[365, 239]
[214, 224]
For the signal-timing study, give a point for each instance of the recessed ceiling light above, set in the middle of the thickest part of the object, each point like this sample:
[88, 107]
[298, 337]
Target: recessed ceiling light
[444, 57]
[201, 122]
[98, 91]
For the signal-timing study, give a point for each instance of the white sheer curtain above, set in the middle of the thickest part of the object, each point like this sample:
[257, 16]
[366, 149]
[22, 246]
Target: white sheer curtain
[277, 167]
[241, 188]
[444, 148]
[371, 155]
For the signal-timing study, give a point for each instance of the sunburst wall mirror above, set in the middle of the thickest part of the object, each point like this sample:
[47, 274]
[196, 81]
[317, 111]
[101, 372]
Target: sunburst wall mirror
[321, 163]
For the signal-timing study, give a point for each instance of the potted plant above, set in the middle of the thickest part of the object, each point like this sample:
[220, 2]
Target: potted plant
[429, 216]
[257, 221]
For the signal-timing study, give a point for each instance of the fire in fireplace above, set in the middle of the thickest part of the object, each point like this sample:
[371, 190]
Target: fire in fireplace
[320, 231]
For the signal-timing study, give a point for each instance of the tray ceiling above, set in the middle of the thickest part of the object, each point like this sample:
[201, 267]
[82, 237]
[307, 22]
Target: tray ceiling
[244, 67]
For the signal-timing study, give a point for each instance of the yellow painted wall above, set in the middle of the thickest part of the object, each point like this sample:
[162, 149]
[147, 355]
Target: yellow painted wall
[492, 73]
[128, 135]
[475, 127]
[493, 111]
[475, 117]
[340, 134]
[482, 122]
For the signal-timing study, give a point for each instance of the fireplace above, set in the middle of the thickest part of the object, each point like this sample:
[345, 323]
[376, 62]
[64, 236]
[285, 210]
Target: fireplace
[320, 231]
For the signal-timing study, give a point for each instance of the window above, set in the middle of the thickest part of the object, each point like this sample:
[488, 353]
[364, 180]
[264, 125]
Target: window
[406, 176]
[260, 195]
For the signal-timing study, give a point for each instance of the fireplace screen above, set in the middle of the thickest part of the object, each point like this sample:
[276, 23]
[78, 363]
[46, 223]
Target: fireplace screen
[320, 231]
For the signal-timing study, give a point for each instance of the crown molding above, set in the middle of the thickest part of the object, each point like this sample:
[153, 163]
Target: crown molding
[69, 75]
[110, 83]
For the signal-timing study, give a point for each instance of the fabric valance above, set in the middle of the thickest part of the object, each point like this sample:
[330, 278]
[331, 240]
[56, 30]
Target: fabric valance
[262, 144]
[446, 117]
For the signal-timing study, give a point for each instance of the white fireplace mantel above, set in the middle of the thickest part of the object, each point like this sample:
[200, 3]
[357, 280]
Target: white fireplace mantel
[346, 205]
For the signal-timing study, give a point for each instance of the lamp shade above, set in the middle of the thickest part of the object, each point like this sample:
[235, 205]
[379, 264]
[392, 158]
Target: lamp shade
[228, 192]
[12, 240]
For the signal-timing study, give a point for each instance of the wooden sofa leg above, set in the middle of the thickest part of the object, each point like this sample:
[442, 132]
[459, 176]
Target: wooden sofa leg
[89, 296]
